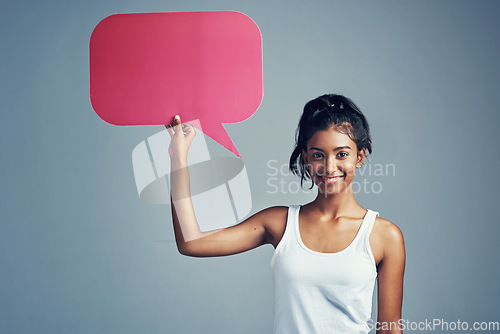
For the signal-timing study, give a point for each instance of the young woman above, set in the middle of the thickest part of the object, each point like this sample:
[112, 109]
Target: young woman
[329, 252]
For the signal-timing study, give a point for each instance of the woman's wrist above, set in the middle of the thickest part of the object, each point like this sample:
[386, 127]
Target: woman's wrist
[178, 161]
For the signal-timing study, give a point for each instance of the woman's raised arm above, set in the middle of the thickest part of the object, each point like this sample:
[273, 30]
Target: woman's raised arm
[253, 232]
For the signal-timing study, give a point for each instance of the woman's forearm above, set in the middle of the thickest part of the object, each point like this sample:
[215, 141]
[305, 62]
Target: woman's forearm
[186, 227]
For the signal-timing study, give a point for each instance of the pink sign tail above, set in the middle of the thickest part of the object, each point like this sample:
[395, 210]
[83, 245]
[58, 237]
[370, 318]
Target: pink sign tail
[217, 132]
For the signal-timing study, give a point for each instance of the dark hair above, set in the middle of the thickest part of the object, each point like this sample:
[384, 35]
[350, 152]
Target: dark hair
[321, 114]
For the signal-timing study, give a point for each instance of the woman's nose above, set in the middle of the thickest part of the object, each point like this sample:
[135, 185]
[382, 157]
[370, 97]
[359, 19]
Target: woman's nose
[330, 166]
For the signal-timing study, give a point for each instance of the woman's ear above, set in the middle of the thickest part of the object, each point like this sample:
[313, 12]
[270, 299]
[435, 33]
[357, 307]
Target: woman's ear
[361, 158]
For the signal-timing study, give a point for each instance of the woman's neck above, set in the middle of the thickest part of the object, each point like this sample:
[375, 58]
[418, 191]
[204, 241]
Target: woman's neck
[336, 205]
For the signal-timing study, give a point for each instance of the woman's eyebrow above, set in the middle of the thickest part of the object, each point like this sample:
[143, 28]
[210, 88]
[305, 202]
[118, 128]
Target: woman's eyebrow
[335, 149]
[342, 148]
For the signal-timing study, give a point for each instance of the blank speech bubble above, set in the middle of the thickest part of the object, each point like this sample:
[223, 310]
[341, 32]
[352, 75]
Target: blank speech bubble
[146, 68]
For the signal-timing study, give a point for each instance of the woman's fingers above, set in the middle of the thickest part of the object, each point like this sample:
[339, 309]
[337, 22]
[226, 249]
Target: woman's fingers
[178, 128]
[169, 129]
[188, 129]
[181, 137]
[172, 129]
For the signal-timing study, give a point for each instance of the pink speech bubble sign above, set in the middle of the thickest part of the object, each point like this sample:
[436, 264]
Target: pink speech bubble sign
[146, 68]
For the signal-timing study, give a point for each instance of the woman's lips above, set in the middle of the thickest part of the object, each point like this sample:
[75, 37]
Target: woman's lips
[331, 180]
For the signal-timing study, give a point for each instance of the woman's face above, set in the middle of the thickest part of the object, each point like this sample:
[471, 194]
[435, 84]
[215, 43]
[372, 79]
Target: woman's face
[332, 158]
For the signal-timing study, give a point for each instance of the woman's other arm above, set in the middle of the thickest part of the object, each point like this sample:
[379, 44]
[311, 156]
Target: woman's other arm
[390, 279]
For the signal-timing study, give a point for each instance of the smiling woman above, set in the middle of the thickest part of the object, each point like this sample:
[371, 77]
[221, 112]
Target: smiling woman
[320, 117]
[330, 160]
[329, 252]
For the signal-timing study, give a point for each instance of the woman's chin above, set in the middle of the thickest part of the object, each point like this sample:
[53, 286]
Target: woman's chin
[330, 188]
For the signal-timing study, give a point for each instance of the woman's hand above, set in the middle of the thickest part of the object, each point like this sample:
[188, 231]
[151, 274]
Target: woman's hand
[181, 138]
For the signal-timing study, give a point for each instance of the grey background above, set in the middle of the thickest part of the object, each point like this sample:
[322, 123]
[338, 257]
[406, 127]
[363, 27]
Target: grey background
[80, 253]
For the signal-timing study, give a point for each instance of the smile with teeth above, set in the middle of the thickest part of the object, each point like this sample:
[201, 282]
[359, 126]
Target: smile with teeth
[331, 179]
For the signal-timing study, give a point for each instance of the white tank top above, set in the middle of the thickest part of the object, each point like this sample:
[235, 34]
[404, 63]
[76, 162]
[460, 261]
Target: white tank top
[323, 293]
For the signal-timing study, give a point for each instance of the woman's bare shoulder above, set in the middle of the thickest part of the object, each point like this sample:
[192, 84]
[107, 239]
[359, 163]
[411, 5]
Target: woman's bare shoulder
[386, 238]
[275, 210]
[387, 230]
[274, 215]
[274, 219]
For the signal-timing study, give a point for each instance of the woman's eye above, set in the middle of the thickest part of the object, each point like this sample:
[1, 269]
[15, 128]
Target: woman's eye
[342, 154]
[317, 155]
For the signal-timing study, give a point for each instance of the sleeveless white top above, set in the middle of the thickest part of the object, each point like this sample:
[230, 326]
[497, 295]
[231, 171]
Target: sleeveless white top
[316, 293]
